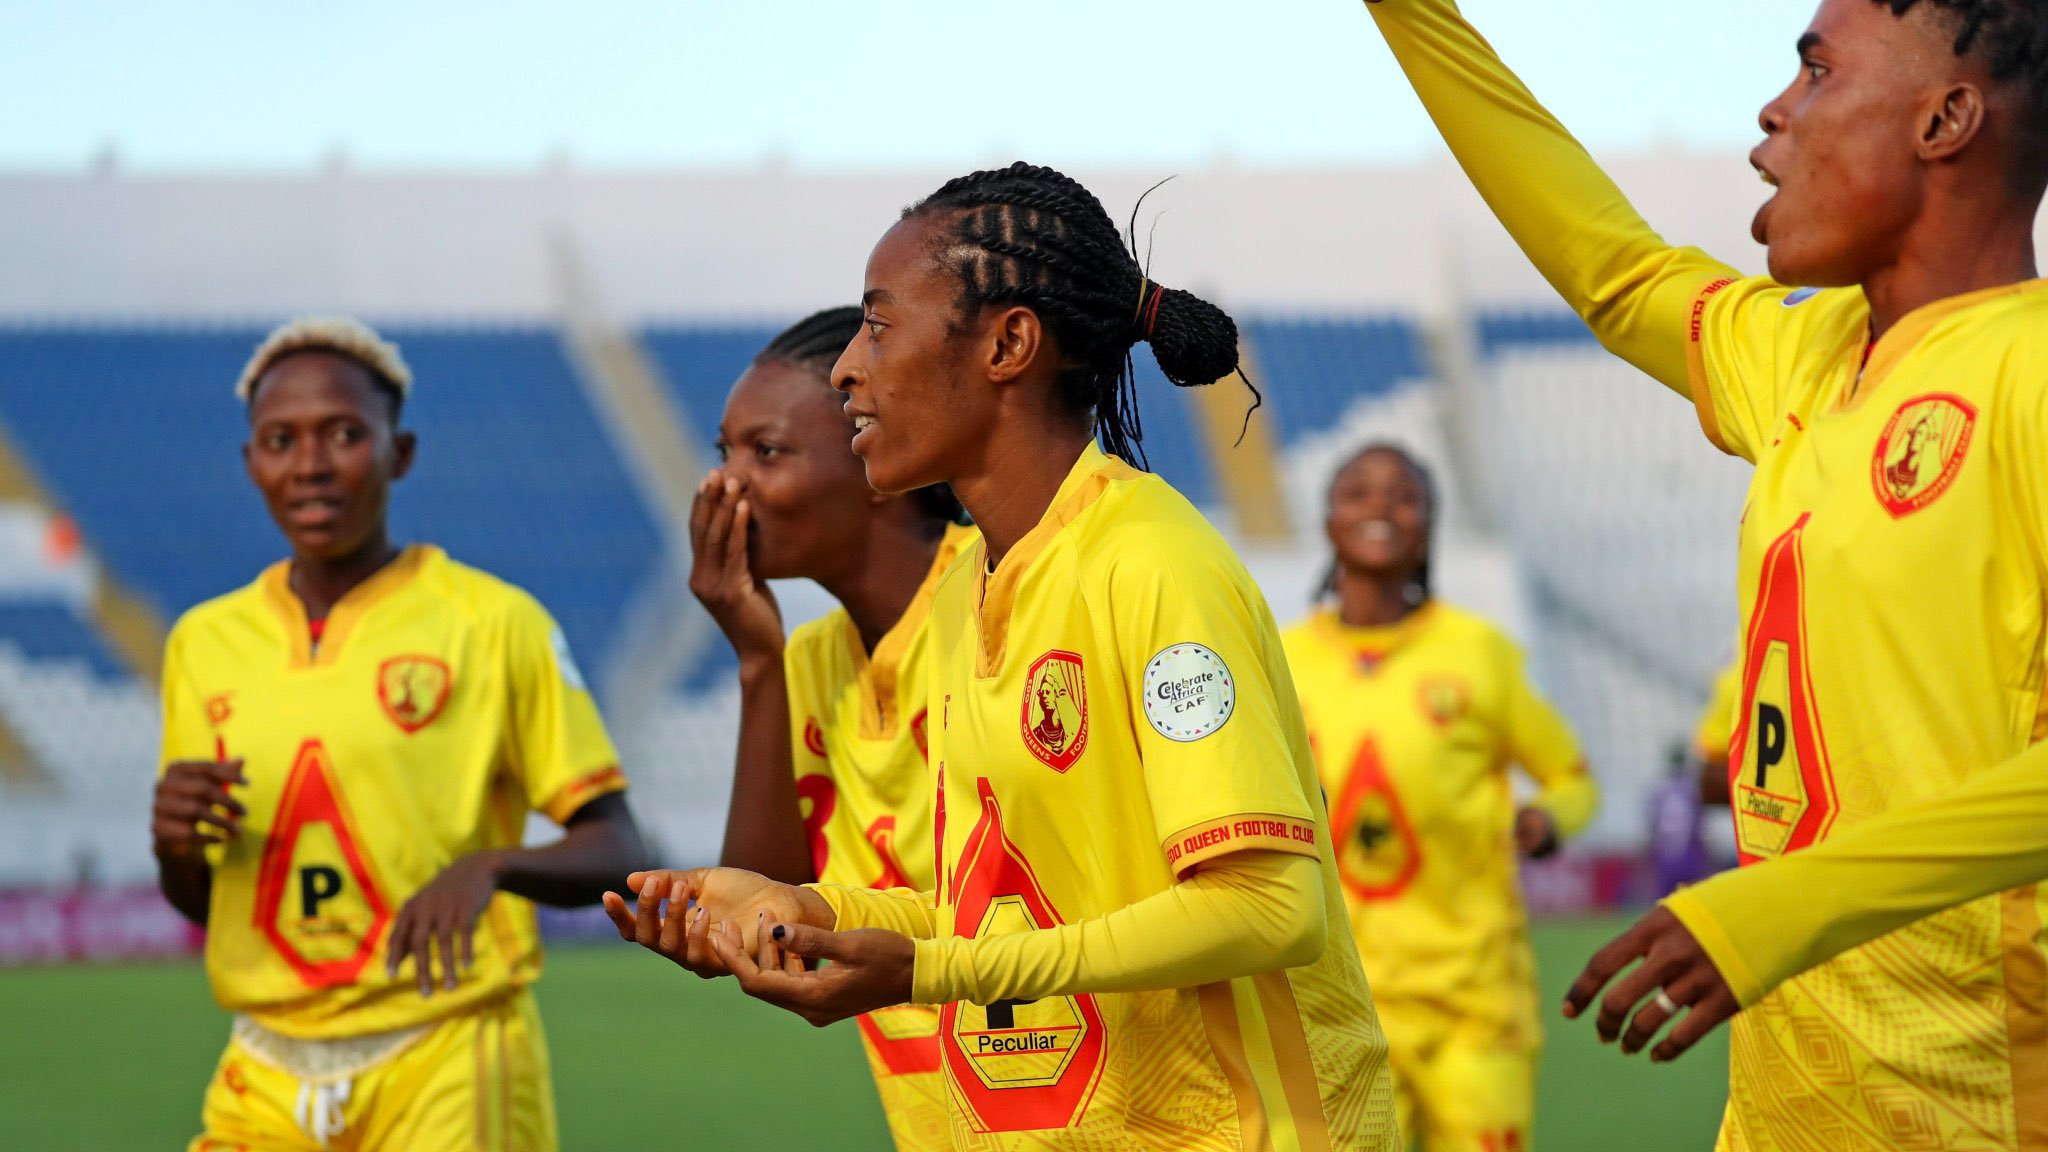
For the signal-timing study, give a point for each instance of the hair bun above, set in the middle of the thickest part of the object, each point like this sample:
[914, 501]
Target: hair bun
[1194, 341]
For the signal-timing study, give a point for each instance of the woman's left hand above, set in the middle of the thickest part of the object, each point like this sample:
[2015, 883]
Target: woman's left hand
[870, 968]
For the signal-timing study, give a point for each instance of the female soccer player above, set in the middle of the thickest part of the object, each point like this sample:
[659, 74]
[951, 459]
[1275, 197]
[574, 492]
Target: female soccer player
[1892, 567]
[832, 782]
[1135, 932]
[351, 746]
[1416, 710]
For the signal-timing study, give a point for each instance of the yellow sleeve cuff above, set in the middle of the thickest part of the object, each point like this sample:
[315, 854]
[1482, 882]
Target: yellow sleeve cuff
[1698, 917]
[904, 911]
[1570, 802]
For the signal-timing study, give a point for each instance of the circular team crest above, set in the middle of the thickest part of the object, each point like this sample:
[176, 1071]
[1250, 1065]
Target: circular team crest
[1055, 718]
[1189, 692]
[413, 690]
[1444, 699]
[1921, 451]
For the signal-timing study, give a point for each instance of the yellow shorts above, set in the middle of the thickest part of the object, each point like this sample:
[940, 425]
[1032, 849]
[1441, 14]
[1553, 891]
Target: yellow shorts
[1454, 1096]
[477, 1082]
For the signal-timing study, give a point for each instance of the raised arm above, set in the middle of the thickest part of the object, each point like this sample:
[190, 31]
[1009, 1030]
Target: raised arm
[1634, 290]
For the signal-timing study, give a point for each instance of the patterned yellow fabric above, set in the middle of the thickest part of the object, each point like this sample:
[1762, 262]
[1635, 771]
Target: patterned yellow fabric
[440, 707]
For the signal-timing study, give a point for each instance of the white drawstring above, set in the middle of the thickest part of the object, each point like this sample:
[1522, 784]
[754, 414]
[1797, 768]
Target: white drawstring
[318, 1110]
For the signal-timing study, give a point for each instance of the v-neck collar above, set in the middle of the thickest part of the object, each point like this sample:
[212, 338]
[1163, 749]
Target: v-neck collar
[1903, 337]
[1373, 645]
[346, 613]
[877, 674]
[995, 593]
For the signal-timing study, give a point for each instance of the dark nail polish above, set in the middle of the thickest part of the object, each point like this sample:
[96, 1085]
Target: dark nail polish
[780, 932]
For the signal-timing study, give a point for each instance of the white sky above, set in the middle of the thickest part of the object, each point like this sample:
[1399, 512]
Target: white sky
[238, 85]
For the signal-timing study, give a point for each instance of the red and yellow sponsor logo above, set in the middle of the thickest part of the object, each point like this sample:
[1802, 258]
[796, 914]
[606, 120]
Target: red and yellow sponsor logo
[219, 709]
[1781, 787]
[1378, 853]
[1055, 719]
[814, 736]
[317, 900]
[1920, 452]
[904, 1038]
[1017, 1065]
[413, 690]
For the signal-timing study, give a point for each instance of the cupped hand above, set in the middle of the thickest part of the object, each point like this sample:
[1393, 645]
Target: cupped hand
[870, 969]
[193, 807]
[698, 901]
[1674, 964]
[720, 578]
[441, 918]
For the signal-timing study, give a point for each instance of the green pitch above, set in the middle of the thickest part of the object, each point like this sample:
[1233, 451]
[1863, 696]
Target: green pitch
[646, 1056]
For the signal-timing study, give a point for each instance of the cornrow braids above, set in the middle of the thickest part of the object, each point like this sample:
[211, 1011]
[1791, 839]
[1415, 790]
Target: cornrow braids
[2011, 37]
[1032, 236]
[1422, 475]
[814, 344]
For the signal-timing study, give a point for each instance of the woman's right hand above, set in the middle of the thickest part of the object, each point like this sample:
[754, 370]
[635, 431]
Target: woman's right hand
[193, 807]
[720, 578]
[703, 900]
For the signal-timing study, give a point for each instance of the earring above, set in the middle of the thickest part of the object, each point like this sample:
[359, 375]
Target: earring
[1414, 594]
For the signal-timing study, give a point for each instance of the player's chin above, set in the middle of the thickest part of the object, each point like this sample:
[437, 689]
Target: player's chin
[894, 473]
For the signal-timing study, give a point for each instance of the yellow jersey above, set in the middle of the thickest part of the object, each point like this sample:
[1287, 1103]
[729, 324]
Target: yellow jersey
[1414, 727]
[440, 706]
[1113, 709]
[1893, 618]
[859, 736]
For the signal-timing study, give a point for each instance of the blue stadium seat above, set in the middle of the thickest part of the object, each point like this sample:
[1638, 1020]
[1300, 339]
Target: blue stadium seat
[136, 432]
[1316, 369]
[1501, 330]
[48, 631]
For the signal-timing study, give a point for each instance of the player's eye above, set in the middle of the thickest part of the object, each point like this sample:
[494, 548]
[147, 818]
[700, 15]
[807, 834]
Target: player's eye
[275, 442]
[724, 450]
[875, 328]
[767, 451]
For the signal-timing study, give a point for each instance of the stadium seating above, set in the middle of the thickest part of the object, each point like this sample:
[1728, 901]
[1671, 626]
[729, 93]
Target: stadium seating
[135, 431]
[50, 633]
[1315, 370]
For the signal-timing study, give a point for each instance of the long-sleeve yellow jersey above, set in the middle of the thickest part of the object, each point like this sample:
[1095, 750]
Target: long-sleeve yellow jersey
[1892, 581]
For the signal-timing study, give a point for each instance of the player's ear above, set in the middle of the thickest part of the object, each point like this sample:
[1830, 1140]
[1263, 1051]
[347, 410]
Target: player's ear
[1015, 337]
[403, 445]
[1952, 122]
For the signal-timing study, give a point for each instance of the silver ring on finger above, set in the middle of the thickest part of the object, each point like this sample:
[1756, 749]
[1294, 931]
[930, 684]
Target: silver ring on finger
[1665, 1002]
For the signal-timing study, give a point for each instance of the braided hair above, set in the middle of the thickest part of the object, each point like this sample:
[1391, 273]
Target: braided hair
[1424, 477]
[814, 344]
[1035, 237]
[2011, 36]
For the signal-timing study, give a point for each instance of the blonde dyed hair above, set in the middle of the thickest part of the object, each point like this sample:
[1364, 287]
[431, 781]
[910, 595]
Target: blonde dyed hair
[343, 335]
